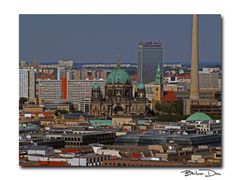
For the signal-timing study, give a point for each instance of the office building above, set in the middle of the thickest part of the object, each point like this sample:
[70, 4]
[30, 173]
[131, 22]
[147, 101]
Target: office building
[86, 138]
[23, 83]
[149, 55]
[49, 90]
[79, 93]
[40, 150]
[209, 81]
[32, 85]
[65, 63]
[46, 73]
[164, 138]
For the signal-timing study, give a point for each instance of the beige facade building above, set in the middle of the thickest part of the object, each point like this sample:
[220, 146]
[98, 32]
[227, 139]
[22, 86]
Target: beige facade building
[119, 121]
[49, 90]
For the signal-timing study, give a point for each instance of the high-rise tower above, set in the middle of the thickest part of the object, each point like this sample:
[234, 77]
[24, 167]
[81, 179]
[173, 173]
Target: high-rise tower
[23, 83]
[194, 86]
[195, 103]
[149, 55]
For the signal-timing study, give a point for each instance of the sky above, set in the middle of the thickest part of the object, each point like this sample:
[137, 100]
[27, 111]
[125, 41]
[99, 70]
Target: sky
[101, 38]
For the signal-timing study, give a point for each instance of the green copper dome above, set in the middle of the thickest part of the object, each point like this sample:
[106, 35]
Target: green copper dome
[95, 86]
[199, 116]
[140, 86]
[118, 76]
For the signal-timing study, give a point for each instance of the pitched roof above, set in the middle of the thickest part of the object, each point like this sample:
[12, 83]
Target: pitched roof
[169, 96]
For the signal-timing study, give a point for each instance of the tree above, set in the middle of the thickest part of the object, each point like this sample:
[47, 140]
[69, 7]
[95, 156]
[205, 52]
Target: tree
[170, 117]
[170, 107]
[59, 112]
[158, 106]
[22, 101]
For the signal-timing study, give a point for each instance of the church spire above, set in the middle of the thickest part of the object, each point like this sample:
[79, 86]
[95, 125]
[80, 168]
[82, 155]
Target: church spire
[158, 76]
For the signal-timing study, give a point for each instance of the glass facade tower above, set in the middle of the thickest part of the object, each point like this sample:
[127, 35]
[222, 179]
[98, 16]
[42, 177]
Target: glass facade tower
[149, 55]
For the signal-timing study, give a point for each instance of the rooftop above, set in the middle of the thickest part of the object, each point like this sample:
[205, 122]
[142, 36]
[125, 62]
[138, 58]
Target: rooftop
[34, 147]
[199, 116]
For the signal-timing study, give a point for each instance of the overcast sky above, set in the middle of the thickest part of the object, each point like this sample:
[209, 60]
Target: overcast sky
[100, 38]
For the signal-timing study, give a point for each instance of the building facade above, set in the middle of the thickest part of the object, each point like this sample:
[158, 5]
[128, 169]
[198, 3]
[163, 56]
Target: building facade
[23, 83]
[32, 85]
[149, 55]
[76, 140]
[209, 81]
[49, 90]
[79, 93]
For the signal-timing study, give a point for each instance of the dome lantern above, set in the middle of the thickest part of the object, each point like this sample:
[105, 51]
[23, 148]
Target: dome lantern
[118, 75]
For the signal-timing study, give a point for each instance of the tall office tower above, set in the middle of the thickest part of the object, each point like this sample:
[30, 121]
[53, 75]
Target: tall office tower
[194, 85]
[149, 55]
[23, 83]
[50, 90]
[32, 85]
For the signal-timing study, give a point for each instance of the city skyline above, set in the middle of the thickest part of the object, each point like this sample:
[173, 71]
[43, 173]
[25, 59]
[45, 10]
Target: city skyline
[113, 116]
[90, 38]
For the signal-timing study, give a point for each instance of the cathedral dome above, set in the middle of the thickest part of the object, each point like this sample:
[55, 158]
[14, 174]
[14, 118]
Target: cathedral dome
[199, 116]
[118, 76]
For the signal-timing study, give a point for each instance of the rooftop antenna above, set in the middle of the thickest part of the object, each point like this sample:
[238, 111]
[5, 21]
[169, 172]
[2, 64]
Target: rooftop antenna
[118, 62]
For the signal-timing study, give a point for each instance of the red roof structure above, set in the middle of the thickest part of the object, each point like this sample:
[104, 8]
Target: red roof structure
[184, 76]
[136, 155]
[169, 96]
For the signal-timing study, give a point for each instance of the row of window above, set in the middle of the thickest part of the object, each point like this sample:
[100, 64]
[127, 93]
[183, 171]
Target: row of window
[73, 143]
[128, 164]
[72, 139]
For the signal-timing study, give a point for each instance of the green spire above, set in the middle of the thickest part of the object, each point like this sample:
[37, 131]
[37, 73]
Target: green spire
[158, 76]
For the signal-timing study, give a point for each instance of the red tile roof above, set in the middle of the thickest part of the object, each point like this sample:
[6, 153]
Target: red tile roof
[184, 76]
[169, 96]
[136, 155]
